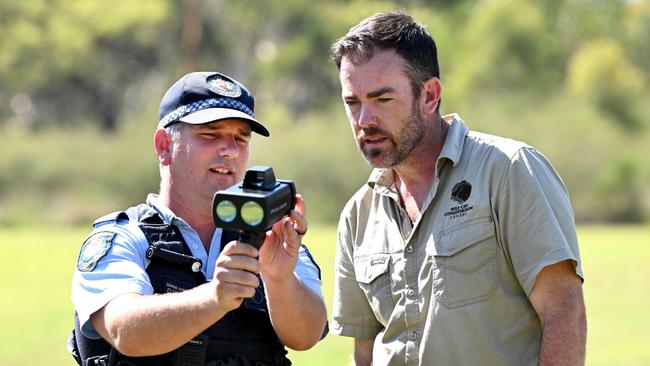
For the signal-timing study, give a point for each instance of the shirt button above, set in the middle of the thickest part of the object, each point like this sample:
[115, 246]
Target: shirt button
[411, 292]
[195, 246]
[413, 336]
[409, 249]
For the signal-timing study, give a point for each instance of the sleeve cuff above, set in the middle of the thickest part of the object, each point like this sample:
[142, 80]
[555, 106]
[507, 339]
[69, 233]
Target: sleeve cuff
[552, 258]
[356, 331]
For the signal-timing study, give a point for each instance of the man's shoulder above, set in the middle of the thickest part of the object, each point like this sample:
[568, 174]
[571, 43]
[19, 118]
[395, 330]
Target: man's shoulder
[122, 224]
[136, 213]
[485, 143]
[111, 217]
[359, 204]
[362, 195]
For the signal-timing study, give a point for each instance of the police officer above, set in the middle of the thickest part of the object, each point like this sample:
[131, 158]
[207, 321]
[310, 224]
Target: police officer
[159, 284]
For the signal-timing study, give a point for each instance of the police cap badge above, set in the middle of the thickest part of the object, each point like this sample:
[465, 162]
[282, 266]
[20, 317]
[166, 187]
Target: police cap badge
[222, 86]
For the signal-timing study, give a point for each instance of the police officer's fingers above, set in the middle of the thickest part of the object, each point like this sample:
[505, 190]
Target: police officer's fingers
[292, 238]
[240, 248]
[240, 262]
[300, 204]
[230, 295]
[299, 223]
[242, 292]
[238, 277]
[298, 216]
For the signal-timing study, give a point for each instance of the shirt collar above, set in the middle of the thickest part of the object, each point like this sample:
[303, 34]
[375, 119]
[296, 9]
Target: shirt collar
[382, 179]
[165, 213]
[453, 147]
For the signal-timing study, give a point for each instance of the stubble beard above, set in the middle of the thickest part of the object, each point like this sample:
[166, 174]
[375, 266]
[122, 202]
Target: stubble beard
[409, 137]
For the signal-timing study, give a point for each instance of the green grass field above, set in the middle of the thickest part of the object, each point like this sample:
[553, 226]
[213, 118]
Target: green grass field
[35, 310]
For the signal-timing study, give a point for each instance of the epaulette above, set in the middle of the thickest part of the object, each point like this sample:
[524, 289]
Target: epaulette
[113, 216]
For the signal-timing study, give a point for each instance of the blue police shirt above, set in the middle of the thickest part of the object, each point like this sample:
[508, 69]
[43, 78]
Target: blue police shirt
[123, 268]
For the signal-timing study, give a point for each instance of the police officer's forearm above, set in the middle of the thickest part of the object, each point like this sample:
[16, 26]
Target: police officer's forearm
[138, 325]
[298, 314]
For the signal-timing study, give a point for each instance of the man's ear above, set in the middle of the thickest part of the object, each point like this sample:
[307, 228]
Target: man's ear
[432, 90]
[163, 146]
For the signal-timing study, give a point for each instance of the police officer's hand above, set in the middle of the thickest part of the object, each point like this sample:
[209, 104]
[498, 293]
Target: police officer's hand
[235, 274]
[279, 253]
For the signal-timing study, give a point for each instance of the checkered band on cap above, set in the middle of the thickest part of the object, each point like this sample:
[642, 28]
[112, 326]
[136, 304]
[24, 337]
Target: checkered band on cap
[184, 110]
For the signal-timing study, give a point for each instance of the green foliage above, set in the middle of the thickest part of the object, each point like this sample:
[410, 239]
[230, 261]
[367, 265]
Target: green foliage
[599, 71]
[49, 179]
[72, 58]
[569, 76]
[54, 37]
[46, 178]
[621, 191]
[505, 48]
[636, 32]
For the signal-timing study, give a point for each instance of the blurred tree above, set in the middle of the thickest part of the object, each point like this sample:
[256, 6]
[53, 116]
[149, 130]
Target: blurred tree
[599, 71]
[507, 65]
[621, 193]
[576, 21]
[72, 60]
[505, 46]
[636, 34]
[192, 35]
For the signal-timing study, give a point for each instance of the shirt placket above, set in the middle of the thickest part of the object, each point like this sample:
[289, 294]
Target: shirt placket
[402, 276]
[413, 316]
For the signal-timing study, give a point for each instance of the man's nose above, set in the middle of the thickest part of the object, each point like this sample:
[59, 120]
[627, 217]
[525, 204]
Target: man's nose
[367, 116]
[228, 148]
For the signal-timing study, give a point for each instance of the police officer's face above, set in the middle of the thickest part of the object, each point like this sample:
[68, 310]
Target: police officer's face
[210, 157]
[382, 110]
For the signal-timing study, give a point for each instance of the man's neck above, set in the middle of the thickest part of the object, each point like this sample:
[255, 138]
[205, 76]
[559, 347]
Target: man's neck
[198, 216]
[414, 176]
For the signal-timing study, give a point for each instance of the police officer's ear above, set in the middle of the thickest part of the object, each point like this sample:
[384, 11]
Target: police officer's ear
[430, 97]
[163, 146]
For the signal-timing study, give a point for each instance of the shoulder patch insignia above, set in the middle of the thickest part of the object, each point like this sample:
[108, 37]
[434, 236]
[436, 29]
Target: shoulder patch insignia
[93, 249]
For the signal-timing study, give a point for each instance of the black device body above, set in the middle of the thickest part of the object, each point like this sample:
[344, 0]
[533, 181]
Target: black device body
[253, 205]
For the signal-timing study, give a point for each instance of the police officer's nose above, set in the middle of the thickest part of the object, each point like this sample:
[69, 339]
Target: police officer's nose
[228, 148]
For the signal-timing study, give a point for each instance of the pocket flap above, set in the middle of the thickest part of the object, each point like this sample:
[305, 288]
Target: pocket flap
[369, 267]
[463, 236]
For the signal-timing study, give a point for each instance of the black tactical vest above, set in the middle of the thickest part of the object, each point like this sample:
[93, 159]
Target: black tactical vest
[243, 336]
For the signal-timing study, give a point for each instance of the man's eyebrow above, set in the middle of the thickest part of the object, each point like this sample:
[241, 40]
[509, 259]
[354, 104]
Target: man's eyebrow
[372, 94]
[380, 91]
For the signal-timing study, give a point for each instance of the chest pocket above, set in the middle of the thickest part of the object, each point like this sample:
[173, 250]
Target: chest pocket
[464, 266]
[373, 276]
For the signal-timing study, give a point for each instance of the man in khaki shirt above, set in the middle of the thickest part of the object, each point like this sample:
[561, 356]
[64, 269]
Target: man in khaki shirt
[461, 249]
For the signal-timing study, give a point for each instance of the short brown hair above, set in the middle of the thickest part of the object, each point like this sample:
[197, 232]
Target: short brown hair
[391, 31]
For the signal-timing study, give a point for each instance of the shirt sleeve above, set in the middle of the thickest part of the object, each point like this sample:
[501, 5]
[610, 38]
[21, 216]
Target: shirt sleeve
[535, 218]
[308, 271]
[352, 315]
[121, 270]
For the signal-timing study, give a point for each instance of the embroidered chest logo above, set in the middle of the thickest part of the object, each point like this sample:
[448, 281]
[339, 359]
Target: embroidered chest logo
[460, 193]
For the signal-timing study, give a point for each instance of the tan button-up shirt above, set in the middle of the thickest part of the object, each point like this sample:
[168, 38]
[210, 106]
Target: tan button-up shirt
[452, 288]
